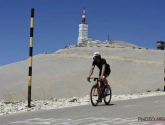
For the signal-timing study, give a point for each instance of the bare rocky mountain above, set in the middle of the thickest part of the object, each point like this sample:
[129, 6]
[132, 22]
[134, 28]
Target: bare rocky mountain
[63, 73]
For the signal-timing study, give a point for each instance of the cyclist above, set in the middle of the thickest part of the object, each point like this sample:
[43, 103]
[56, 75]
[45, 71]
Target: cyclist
[103, 66]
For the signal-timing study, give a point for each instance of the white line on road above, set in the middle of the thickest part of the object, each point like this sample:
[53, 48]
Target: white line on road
[85, 121]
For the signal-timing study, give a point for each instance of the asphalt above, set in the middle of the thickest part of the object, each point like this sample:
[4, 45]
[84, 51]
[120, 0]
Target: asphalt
[123, 112]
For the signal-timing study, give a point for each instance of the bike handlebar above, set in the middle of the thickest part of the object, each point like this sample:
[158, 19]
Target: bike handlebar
[94, 78]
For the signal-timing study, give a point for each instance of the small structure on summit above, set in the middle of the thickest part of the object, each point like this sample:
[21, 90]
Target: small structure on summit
[83, 30]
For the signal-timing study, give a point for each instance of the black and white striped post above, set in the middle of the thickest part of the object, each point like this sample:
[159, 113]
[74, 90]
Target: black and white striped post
[164, 75]
[30, 57]
[160, 46]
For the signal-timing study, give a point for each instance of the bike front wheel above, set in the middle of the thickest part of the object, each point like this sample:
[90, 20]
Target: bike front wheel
[94, 95]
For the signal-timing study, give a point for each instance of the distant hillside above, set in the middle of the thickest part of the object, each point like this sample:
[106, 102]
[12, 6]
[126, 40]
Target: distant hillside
[63, 73]
[116, 44]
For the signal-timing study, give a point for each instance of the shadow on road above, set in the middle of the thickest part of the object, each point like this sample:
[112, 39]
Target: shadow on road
[106, 105]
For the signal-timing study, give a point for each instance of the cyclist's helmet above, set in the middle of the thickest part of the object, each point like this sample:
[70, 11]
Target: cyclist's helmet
[96, 54]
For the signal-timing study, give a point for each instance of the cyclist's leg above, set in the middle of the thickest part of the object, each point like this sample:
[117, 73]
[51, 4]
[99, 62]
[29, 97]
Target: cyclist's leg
[101, 82]
[106, 74]
[105, 79]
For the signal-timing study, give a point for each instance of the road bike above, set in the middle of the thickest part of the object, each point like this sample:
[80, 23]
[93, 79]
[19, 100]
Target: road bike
[99, 92]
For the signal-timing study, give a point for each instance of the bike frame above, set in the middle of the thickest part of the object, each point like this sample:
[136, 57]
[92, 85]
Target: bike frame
[96, 91]
[98, 84]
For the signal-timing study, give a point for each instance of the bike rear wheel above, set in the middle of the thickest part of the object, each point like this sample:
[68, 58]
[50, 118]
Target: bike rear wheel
[108, 95]
[94, 95]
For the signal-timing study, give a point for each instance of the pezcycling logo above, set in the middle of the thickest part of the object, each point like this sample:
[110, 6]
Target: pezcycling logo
[151, 119]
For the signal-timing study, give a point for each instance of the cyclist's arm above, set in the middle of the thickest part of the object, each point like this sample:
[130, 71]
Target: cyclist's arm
[91, 71]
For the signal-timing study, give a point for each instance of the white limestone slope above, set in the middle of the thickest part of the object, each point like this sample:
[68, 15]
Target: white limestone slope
[63, 73]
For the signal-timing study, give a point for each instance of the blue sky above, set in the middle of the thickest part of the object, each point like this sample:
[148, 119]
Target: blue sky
[141, 22]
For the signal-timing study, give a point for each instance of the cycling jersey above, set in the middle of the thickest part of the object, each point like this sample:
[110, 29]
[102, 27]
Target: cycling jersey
[100, 64]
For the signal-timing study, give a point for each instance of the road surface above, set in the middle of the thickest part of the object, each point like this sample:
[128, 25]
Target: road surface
[123, 112]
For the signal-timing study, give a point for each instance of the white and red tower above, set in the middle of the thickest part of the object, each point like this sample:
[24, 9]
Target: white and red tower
[83, 16]
[83, 30]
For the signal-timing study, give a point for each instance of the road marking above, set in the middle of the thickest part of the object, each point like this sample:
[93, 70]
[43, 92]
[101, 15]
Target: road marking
[85, 121]
[129, 106]
[158, 101]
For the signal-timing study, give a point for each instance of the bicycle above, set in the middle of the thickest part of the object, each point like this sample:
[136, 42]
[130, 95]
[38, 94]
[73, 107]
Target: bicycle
[102, 94]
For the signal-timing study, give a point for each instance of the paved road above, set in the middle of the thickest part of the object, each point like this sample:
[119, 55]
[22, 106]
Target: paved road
[126, 112]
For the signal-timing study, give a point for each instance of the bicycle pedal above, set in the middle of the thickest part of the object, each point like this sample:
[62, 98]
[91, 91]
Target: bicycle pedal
[99, 100]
